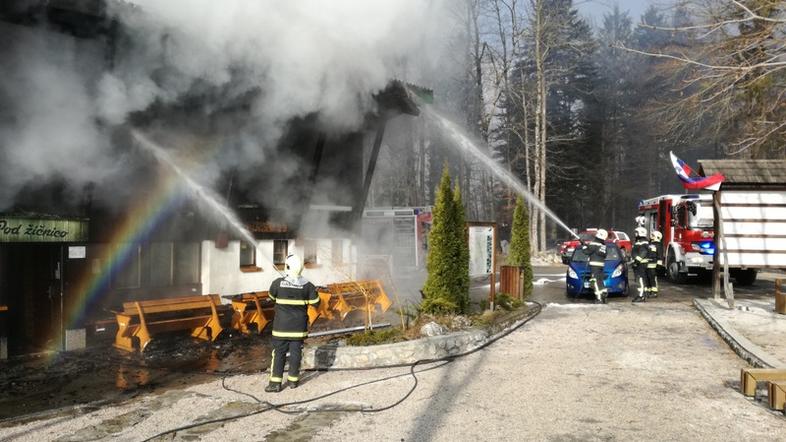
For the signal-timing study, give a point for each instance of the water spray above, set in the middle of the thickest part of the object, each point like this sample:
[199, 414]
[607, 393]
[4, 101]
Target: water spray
[468, 146]
[198, 191]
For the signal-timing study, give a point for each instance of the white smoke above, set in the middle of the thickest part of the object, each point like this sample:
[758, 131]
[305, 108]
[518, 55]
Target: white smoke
[298, 57]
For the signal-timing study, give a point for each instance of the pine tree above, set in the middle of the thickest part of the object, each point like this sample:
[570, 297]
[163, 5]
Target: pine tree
[462, 263]
[440, 290]
[519, 244]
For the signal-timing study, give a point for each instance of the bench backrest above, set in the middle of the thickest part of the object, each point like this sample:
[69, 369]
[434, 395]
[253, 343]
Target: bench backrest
[252, 296]
[367, 287]
[172, 304]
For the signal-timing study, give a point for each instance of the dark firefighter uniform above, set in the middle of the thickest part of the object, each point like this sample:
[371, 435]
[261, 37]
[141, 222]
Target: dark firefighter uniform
[596, 251]
[292, 295]
[653, 262]
[640, 254]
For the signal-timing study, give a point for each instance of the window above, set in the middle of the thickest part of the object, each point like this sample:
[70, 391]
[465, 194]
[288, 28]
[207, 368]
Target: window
[310, 252]
[248, 255]
[337, 252]
[280, 252]
[186, 264]
[127, 276]
[160, 258]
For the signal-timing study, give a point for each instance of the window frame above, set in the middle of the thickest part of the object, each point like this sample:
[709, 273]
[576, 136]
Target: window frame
[251, 265]
[280, 264]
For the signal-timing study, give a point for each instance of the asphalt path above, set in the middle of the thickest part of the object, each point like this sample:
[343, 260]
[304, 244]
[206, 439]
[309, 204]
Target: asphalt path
[578, 371]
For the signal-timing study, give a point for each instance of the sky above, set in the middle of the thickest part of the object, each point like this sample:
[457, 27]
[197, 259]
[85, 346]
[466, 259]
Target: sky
[596, 8]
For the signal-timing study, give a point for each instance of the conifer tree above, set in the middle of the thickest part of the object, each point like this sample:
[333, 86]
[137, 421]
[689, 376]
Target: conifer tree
[462, 263]
[519, 244]
[440, 290]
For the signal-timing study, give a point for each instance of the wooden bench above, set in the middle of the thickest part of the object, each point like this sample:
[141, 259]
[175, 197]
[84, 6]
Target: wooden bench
[251, 308]
[749, 377]
[257, 308]
[359, 295]
[776, 393]
[140, 320]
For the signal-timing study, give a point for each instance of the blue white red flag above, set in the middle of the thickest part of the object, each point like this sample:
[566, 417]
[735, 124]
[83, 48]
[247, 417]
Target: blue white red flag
[695, 182]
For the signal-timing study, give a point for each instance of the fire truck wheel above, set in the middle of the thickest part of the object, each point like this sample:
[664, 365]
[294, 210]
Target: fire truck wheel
[674, 272]
[744, 277]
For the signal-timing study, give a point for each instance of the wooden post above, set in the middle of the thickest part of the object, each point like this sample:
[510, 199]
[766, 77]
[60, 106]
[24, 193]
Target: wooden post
[492, 278]
[716, 239]
[720, 247]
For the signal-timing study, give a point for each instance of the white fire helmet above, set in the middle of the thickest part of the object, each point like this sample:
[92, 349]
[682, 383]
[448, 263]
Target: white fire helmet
[641, 232]
[602, 235]
[294, 265]
[641, 220]
[656, 236]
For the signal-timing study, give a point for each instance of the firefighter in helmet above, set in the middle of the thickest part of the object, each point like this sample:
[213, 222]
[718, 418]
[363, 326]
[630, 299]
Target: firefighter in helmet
[654, 262]
[640, 253]
[292, 295]
[596, 251]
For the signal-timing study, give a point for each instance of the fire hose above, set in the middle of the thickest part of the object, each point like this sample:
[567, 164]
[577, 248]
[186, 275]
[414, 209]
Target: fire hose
[284, 407]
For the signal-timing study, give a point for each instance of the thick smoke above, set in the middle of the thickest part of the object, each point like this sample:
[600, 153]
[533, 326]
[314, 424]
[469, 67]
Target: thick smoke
[61, 100]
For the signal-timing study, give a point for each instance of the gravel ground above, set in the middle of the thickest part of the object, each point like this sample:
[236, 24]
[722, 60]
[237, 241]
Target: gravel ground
[576, 372]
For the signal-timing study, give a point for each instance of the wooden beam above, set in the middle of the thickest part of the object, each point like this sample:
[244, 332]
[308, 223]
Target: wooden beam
[372, 164]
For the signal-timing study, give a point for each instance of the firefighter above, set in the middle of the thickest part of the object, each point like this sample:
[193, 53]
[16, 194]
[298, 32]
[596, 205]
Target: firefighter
[640, 254]
[596, 251]
[654, 262]
[292, 295]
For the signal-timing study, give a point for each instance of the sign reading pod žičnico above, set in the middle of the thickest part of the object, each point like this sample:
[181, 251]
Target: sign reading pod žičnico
[14, 229]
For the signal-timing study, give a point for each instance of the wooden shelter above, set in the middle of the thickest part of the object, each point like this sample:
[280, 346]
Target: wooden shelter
[750, 218]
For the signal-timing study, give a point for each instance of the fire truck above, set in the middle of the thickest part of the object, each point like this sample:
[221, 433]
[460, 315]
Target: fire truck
[686, 222]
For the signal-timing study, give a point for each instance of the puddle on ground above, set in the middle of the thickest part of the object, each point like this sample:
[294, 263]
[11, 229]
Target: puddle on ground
[70, 383]
[305, 426]
[106, 374]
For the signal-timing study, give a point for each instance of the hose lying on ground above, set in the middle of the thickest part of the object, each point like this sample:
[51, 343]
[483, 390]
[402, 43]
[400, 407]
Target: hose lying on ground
[282, 408]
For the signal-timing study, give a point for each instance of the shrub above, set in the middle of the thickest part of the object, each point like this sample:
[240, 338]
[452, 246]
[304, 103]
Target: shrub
[375, 337]
[447, 286]
[520, 246]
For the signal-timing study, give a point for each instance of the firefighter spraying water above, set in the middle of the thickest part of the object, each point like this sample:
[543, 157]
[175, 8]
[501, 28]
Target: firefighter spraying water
[292, 295]
[596, 251]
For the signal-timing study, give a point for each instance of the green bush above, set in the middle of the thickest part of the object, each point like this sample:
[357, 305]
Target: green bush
[520, 246]
[507, 302]
[375, 337]
[447, 286]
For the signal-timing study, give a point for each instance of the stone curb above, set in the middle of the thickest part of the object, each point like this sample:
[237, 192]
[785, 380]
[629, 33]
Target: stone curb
[747, 350]
[325, 357]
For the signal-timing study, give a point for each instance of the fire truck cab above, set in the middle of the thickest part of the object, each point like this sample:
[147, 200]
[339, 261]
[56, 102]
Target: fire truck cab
[686, 222]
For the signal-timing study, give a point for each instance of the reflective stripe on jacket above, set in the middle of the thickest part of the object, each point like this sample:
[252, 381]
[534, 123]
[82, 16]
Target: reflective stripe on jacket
[292, 297]
[596, 251]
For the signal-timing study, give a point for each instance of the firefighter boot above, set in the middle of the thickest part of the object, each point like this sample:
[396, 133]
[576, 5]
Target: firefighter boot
[639, 299]
[273, 387]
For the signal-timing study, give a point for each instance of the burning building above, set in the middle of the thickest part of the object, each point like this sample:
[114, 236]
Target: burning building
[103, 219]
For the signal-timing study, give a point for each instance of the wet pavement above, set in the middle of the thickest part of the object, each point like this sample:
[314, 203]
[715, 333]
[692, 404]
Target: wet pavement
[72, 382]
[104, 374]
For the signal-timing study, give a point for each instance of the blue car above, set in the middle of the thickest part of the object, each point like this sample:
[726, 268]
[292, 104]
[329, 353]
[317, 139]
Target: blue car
[577, 279]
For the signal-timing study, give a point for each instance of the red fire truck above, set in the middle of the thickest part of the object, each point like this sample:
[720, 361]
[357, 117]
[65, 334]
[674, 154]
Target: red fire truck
[686, 222]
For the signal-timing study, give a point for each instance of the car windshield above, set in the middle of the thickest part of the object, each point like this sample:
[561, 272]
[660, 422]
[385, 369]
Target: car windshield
[612, 254]
[587, 236]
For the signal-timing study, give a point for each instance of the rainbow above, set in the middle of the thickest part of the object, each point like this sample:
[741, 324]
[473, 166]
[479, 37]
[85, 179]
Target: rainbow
[138, 223]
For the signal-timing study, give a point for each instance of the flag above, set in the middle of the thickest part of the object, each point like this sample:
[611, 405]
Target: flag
[695, 182]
